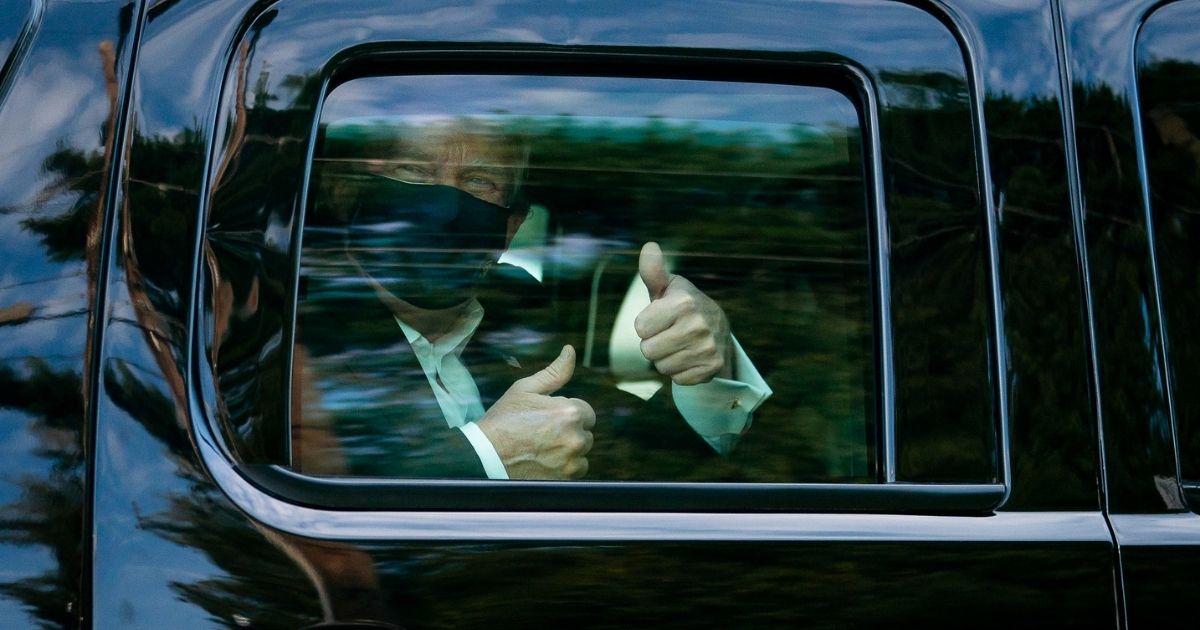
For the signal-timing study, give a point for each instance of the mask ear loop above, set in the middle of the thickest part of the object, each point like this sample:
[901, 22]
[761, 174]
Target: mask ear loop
[395, 304]
[351, 221]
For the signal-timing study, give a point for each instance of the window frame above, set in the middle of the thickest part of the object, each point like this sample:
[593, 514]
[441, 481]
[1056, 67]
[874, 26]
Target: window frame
[1142, 46]
[886, 496]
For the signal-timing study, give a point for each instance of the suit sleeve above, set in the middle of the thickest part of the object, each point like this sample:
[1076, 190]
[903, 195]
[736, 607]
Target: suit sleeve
[447, 455]
[643, 440]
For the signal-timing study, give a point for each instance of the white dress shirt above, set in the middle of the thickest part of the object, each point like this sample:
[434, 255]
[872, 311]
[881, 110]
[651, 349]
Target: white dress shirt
[452, 384]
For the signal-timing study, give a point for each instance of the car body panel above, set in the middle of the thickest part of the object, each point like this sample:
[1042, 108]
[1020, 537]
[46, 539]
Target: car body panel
[124, 509]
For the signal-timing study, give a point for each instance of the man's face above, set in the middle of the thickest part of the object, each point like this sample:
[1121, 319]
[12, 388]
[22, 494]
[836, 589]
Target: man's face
[468, 156]
[440, 215]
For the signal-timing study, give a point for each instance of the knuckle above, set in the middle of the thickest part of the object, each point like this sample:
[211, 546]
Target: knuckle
[589, 417]
[640, 326]
[579, 468]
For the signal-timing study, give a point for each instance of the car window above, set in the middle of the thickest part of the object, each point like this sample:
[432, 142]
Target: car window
[1169, 93]
[702, 247]
[394, 238]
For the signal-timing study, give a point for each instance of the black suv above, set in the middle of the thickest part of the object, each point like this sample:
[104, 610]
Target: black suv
[878, 313]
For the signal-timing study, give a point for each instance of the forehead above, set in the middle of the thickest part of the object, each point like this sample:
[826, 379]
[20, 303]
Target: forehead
[459, 141]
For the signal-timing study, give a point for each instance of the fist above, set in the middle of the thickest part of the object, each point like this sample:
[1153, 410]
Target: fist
[684, 333]
[537, 435]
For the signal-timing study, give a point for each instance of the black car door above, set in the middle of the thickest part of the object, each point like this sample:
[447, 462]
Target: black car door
[874, 193]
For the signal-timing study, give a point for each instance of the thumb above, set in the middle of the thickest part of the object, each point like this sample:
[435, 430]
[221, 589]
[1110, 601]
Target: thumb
[653, 271]
[550, 378]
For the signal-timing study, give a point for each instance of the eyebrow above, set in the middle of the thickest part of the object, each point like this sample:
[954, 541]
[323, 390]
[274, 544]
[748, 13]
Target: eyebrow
[412, 151]
[477, 165]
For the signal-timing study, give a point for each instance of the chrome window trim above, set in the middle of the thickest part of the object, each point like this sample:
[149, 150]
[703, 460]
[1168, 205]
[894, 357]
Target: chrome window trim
[649, 526]
[21, 45]
[1179, 529]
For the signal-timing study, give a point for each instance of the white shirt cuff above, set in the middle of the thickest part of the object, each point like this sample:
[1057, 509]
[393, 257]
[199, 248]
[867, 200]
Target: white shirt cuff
[720, 411]
[492, 466]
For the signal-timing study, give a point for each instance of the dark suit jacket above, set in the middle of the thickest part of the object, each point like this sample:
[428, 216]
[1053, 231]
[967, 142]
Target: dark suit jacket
[388, 422]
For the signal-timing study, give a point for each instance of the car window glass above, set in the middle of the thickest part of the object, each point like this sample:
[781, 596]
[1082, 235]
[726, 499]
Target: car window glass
[1169, 90]
[461, 230]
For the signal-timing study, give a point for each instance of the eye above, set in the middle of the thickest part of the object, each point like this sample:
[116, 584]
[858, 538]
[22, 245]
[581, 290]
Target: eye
[480, 184]
[413, 173]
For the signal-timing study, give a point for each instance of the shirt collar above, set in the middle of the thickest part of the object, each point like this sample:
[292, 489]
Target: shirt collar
[455, 338]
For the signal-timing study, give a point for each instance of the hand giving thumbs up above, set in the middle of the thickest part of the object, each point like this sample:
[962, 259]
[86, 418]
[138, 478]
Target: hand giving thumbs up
[684, 332]
[537, 435]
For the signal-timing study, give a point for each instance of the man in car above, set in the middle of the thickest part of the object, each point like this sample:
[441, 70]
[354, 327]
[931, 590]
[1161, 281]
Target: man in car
[428, 359]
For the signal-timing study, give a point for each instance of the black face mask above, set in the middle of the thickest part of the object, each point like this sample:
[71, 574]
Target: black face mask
[428, 244]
